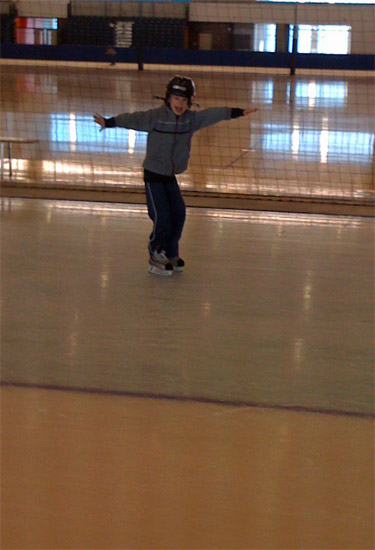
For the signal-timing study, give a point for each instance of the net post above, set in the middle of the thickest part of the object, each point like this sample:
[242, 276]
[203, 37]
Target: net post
[293, 57]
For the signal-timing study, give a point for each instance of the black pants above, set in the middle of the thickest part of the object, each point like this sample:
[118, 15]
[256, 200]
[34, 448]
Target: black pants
[166, 208]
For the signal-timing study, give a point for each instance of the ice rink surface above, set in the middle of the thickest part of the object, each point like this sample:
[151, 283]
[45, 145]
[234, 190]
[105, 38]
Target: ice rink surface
[230, 406]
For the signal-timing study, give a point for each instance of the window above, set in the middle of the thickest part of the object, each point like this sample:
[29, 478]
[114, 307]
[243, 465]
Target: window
[264, 37]
[325, 39]
[36, 30]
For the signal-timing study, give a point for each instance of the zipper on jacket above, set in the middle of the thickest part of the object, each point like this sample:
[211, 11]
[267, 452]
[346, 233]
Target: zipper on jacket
[174, 144]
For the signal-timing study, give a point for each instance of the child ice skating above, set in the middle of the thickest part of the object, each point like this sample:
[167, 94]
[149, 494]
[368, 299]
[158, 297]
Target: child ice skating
[170, 129]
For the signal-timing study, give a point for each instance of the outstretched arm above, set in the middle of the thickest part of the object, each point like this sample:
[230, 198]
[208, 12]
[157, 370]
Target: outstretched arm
[242, 112]
[143, 121]
[100, 120]
[212, 115]
[249, 112]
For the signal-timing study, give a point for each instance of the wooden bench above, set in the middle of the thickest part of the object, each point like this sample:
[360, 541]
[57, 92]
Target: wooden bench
[10, 141]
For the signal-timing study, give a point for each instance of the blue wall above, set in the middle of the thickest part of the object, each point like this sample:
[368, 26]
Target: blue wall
[189, 57]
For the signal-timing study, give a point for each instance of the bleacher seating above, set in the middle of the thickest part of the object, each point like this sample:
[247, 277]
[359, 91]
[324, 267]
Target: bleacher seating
[159, 32]
[7, 29]
[148, 32]
[88, 31]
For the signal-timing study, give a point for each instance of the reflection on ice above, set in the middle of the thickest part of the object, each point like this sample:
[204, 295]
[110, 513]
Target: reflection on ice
[71, 133]
[312, 137]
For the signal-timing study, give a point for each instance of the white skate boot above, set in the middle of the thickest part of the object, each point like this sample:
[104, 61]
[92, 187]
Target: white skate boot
[177, 263]
[159, 264]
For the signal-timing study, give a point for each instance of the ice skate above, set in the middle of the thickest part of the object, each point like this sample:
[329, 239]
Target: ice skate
[177, 263]
[159, 264]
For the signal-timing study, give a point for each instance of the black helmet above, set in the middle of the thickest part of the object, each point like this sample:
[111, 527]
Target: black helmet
[182, 86]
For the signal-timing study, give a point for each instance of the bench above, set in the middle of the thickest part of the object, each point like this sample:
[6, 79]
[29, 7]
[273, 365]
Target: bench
[10, 141]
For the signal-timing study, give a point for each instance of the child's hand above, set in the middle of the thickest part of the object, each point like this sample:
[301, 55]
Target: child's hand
[249, 111]
[100, 120]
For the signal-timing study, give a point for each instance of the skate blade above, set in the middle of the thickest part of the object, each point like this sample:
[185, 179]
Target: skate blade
[157, 271]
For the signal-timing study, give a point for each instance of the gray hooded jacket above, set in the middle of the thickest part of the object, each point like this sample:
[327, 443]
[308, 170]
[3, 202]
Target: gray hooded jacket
[169, 136]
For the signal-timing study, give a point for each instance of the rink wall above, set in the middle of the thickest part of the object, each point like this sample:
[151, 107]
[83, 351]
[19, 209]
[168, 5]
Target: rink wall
[205, 18]
[170, 56]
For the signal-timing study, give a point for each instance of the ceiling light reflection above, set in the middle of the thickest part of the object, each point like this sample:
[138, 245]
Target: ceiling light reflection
[298, 352]
[62, 167]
